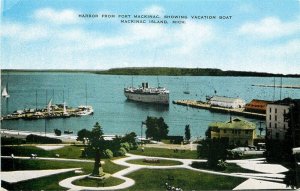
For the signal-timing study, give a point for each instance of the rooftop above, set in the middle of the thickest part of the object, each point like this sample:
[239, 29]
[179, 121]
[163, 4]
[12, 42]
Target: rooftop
[224, 99]
[236, 123]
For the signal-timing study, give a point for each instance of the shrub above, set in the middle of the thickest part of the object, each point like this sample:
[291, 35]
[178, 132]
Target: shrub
[57, 132]
[120, 152]
[222, 165]
[133, 146]
[125, 145]
[108, 153]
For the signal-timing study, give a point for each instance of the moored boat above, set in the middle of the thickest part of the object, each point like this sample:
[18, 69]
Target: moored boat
[146, 94]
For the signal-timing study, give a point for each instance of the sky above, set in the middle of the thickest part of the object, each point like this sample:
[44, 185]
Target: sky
[260, 35]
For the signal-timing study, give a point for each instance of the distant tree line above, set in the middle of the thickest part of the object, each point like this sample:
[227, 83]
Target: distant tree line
[166, 71]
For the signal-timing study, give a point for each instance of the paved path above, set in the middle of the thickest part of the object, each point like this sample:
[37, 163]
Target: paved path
[262, 177]
[23, 175]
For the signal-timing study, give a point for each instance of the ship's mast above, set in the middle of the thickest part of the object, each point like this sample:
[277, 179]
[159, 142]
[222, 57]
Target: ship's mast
[85, 94]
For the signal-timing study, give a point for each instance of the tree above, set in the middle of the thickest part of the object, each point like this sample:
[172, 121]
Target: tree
[83, 134]
[187, 132]
[97, 144]
[156, 128]
[131, 139]
[214, 150]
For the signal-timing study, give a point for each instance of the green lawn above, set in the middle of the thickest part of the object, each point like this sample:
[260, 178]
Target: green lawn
[160, 163]
[168, 153]
[35, 164]
[50, 182]
[72, 151]
[90, 182]
[231, 168]
[185, 179]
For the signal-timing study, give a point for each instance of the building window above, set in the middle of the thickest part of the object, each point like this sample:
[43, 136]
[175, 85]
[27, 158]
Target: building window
[275, 117]
[275, 110]
[270, 117]
[270, 126]
[284, 126]
[270, 110]
[275, 125]
[284, 112]
[277, 135]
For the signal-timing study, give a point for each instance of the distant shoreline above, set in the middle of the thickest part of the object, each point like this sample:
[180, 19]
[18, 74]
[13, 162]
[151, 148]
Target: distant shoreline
[162, 71]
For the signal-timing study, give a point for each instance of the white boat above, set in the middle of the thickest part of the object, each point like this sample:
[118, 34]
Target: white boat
[5, 92]
[65, 112]
[85, 110]
[49, 109]
[148, 94]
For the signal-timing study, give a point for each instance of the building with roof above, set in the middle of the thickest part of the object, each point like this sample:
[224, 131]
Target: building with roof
[257, 106]
[277, 124]
[227, 102]
[238, 131]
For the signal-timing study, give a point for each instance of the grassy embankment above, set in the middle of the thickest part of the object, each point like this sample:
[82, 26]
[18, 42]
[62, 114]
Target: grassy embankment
[71, 152]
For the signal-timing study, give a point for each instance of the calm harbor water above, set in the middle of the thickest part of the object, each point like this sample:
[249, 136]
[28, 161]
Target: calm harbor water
[119, 116]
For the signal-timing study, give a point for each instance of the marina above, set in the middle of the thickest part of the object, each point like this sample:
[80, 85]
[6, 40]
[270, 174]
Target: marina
[51, 112]
[116, 114]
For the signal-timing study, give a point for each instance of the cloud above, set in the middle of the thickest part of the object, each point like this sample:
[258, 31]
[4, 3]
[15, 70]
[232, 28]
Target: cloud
[193, 35]
[269, 27]
[66, 16]
[22, 33]
[284, 50]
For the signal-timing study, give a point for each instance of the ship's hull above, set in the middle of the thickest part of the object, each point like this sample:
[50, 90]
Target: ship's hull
[148, 98]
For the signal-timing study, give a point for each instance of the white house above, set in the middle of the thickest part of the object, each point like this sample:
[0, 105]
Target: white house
[227, 102]
[276, 126]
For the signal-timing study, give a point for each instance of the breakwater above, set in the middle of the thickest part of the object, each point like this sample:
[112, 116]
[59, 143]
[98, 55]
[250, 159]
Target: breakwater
[277, 86]
[203, 105]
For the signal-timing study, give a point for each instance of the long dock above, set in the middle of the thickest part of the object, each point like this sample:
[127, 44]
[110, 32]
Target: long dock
[33, 114]
[278, 86]
[203, 105]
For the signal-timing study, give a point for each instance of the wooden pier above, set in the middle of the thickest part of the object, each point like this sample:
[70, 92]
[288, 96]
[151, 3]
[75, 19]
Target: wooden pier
[203, 105]
[278, 86]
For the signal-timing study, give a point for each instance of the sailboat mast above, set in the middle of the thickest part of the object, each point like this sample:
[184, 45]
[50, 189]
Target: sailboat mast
[274, 90]
[280, 87]
[35, 100]
[86, 94]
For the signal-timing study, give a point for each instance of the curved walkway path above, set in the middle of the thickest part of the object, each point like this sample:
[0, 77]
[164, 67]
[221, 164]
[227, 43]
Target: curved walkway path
[271, 176]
